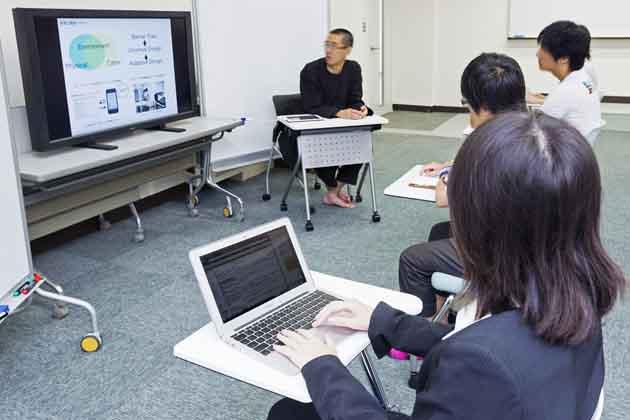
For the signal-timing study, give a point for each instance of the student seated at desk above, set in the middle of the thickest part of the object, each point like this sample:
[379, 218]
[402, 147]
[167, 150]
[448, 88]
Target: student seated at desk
[526, 193]
[564, 50]
[490, 84]
[332, 86]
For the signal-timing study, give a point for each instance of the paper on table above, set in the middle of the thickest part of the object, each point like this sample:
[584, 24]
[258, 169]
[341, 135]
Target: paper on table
[413, 185]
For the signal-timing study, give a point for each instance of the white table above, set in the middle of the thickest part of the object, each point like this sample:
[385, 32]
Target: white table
[333, 142]
[407, 186]
[206, 349]
[41, 167]
[71, 184]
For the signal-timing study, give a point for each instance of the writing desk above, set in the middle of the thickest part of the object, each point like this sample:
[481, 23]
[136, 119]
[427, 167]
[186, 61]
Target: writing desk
[206, 349]
[333, 142]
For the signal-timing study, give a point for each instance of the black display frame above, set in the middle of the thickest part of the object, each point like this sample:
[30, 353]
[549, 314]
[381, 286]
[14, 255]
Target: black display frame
[32, 77]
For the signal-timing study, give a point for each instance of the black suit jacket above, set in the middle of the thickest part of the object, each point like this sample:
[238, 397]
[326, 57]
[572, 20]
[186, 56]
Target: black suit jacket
[496, 369]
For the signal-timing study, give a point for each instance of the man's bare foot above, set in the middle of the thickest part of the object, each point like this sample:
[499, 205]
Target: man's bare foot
[345, 197]
[332, 199]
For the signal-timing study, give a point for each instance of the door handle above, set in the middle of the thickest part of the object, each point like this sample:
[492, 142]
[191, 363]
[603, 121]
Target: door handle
[375, 48]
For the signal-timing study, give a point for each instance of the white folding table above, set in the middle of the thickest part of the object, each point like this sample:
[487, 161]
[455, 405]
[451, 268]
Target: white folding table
[206, 349]
[333, 142]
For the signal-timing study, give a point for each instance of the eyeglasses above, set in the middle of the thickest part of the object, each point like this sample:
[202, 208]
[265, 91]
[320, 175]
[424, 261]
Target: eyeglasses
[333, 46]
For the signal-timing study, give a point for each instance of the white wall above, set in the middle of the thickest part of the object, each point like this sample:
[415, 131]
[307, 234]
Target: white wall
[251, 50]
[17, 112]
[463, 29]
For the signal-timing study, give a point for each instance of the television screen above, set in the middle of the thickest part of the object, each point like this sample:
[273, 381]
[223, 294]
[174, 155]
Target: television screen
[88, 74]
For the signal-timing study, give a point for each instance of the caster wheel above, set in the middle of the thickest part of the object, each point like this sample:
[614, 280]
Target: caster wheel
[317, 186]
[90, 343]
[194, 212]
[138, 237]
[309, 226]
[283, 207]
[376, 217]
[358, 198]
[227, 212]
[266, 197]
[194, 201]
[312, 209]
[60, 311]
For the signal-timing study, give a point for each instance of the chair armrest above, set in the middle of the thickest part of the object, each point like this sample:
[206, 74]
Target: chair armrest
[447, 283]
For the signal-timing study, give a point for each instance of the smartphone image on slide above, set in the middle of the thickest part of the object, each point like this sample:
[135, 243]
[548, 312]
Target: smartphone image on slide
[112, 101]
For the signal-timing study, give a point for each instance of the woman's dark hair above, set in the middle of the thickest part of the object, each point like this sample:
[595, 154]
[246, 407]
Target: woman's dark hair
[525, 197]
[346, 35]
[495, 83]
[567, 39]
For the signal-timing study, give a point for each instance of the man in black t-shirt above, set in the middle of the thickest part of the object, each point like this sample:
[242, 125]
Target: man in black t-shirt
[332, 87]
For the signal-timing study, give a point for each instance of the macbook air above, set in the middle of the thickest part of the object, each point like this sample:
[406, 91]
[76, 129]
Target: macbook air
[257, 283]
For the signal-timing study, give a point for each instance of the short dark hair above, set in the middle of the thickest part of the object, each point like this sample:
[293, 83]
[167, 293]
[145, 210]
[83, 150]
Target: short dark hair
[525, 196]
[494, 82]
[567, 39]
[348, 39]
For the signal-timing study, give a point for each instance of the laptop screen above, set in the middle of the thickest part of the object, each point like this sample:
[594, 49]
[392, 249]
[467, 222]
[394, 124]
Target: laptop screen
[247, 274]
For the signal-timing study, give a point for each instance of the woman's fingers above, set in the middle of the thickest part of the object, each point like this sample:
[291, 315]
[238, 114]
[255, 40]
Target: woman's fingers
[328, 310]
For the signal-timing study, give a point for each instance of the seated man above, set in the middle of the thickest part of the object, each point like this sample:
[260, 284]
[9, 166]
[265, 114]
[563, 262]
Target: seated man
[490, 84]
[332, 87]
[564, 48]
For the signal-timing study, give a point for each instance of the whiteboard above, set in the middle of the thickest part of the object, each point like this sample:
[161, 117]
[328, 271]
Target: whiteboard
[15, 251]
[250, 50]
[603, 18]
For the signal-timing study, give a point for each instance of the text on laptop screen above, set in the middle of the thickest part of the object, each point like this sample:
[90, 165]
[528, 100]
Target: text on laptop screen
[247, 274]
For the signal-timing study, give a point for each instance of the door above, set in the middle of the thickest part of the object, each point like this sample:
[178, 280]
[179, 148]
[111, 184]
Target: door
[364, 19]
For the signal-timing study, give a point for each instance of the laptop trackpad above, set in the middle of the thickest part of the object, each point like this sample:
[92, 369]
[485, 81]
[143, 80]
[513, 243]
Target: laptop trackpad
[335, 335]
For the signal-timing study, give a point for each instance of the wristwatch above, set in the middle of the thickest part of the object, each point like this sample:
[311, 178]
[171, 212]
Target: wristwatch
[444, 172]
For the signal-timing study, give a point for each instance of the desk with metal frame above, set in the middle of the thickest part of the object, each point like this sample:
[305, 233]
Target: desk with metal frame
[333, 142]
[49, 176]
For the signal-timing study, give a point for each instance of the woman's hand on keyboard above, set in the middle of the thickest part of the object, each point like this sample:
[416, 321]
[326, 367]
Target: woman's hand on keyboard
[302, 346]
[349, 314]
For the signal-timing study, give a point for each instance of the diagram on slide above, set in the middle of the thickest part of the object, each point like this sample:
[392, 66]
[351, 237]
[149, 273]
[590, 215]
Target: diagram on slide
[117, 72]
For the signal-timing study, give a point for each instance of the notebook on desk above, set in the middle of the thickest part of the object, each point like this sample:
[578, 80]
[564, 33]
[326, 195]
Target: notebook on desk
[414, 186]
[256, 284]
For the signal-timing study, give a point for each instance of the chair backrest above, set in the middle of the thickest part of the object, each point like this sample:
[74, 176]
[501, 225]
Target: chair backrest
[288, 104]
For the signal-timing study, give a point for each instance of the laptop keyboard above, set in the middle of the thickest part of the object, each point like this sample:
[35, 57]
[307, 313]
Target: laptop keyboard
[261, 336]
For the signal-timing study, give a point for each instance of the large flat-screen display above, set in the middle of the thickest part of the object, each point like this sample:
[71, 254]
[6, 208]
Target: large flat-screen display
[92, 73]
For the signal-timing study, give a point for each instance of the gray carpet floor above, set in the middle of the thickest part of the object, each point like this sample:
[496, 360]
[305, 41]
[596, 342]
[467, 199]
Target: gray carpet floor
[147, 298]
[409, 120]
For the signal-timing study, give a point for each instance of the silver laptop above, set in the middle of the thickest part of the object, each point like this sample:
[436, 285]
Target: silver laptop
[257, 283]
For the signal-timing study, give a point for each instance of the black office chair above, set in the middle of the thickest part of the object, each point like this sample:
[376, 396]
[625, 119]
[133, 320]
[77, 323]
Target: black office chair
[282, 145]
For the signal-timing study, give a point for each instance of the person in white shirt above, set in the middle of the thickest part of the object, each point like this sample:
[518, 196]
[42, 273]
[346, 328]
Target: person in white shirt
[564, 48]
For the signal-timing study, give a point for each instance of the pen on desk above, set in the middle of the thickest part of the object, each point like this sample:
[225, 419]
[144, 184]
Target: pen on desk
[427, 186]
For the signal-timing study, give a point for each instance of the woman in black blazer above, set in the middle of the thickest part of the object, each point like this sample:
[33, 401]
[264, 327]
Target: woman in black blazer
[525, 198]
